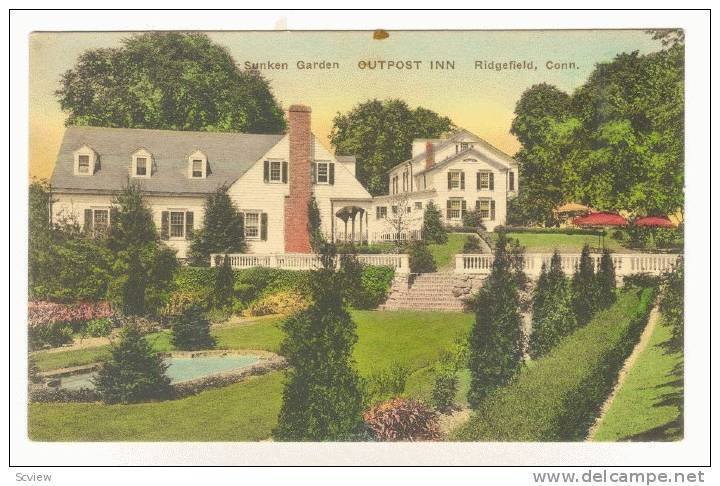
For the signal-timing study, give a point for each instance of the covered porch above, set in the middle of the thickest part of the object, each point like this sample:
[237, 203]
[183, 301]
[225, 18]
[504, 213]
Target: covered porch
[349, 220]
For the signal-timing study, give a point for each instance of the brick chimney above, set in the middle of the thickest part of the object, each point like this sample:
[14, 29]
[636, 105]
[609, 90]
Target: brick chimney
[297, 236]
[429, 154]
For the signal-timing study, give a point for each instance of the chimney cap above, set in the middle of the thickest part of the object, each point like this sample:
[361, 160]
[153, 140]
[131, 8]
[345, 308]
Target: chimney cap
[300, 108]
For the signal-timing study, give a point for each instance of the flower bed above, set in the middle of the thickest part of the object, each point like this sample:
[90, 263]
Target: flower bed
[51, 324]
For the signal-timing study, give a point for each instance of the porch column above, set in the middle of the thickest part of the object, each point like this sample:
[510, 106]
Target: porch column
[362, 214]
[353, 227]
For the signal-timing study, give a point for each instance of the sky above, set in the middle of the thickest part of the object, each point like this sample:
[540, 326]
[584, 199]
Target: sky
[479, 99]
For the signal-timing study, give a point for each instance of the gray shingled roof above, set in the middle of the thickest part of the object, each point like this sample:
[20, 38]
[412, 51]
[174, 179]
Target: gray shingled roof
[229, 155]
[443, 142]
[346, 158]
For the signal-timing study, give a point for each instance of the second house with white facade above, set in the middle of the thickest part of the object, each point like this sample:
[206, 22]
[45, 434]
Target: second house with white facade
[459, 173]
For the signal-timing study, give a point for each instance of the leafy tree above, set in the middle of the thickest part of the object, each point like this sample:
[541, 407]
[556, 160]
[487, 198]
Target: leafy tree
[322, 399]
[615, 144]
[605, 281]
[134, 373]
[433, 230]
[380, 135]
[583, 288]
[168, 80]
[672, 302]
[553, 316]
[496, 339]
[224, 289]
[421, 259]
[131, 221]
[191, 330]
[223, 229]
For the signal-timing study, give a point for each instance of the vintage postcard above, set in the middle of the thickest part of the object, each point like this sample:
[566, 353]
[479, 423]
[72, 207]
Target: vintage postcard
[356, 236]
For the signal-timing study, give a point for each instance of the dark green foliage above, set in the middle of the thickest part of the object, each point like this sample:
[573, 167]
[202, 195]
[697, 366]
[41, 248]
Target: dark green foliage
[616, 143]
[672, 302]
[568, 230]
[98, 327]
[144, 267]
[134, 373]
[583, 288]
[472, 244]
[560, 396]
[168, 80]
[433, 230]
[375, 284]
[421, 259]
[495, 344]
[516, 254]
[322, 399]
[553, 317]
[472, 219]
[380, 135]
[641, 280]
[224, 289]
[191, 330]
[223, 229]
[51, 335]
[605, 281]
[446, 383]
[314, 225]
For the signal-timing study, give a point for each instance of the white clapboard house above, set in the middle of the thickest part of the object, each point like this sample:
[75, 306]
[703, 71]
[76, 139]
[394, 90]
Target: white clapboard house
[271, 179]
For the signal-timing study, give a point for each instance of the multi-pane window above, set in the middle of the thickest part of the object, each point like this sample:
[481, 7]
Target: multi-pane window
[197, 168]
[381, 212]
[101, 219]
[418, 205]
[275, 171]
[252, 226]
[454, 179]
[83, 164]
[394, 209]
[484, 180]
[141, 166]
[483, 208]
[177, 224]
[455, 208]
[322, 173]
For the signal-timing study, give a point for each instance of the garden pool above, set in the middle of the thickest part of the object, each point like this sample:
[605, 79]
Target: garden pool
[180, 369]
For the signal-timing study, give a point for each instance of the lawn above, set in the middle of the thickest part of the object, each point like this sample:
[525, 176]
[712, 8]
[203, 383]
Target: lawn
[443, 254]
[648, 407]
[247, 411]
[548, 242]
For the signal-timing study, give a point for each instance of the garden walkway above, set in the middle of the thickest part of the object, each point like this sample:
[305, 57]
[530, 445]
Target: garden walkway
[627, 366]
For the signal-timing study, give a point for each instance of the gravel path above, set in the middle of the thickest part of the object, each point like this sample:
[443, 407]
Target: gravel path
[627, 366]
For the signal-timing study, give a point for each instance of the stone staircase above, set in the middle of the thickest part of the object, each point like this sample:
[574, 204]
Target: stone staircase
[431, 291]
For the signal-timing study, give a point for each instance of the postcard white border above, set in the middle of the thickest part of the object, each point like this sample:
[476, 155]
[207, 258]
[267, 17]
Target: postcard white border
[693, 450]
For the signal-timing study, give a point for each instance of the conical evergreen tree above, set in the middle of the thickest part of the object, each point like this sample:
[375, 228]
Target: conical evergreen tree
[223, 229]
[191, 330]
[224, 288]
[583, 288]
[495, 346]
[553, 316]
[605, 281]
[322, 398]
[134, 373]
[433, 229]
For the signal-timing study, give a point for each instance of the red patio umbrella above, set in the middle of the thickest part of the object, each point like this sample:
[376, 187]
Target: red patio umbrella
[654, 222]
[600, 219]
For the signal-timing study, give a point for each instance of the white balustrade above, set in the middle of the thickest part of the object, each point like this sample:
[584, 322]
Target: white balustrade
[301, 261]
[624, 263]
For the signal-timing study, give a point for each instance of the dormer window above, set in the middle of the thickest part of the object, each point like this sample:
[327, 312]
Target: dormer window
[85, 161]
[197, 165]
[83, 164]
[142, 164]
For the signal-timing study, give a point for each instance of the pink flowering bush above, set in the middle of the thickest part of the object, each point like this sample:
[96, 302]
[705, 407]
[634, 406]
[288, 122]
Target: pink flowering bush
[45, 313]
[52, 324]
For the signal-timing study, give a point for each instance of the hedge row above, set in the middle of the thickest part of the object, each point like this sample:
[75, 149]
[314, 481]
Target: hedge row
[540, 230]
[195, 285]
[560, 395]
